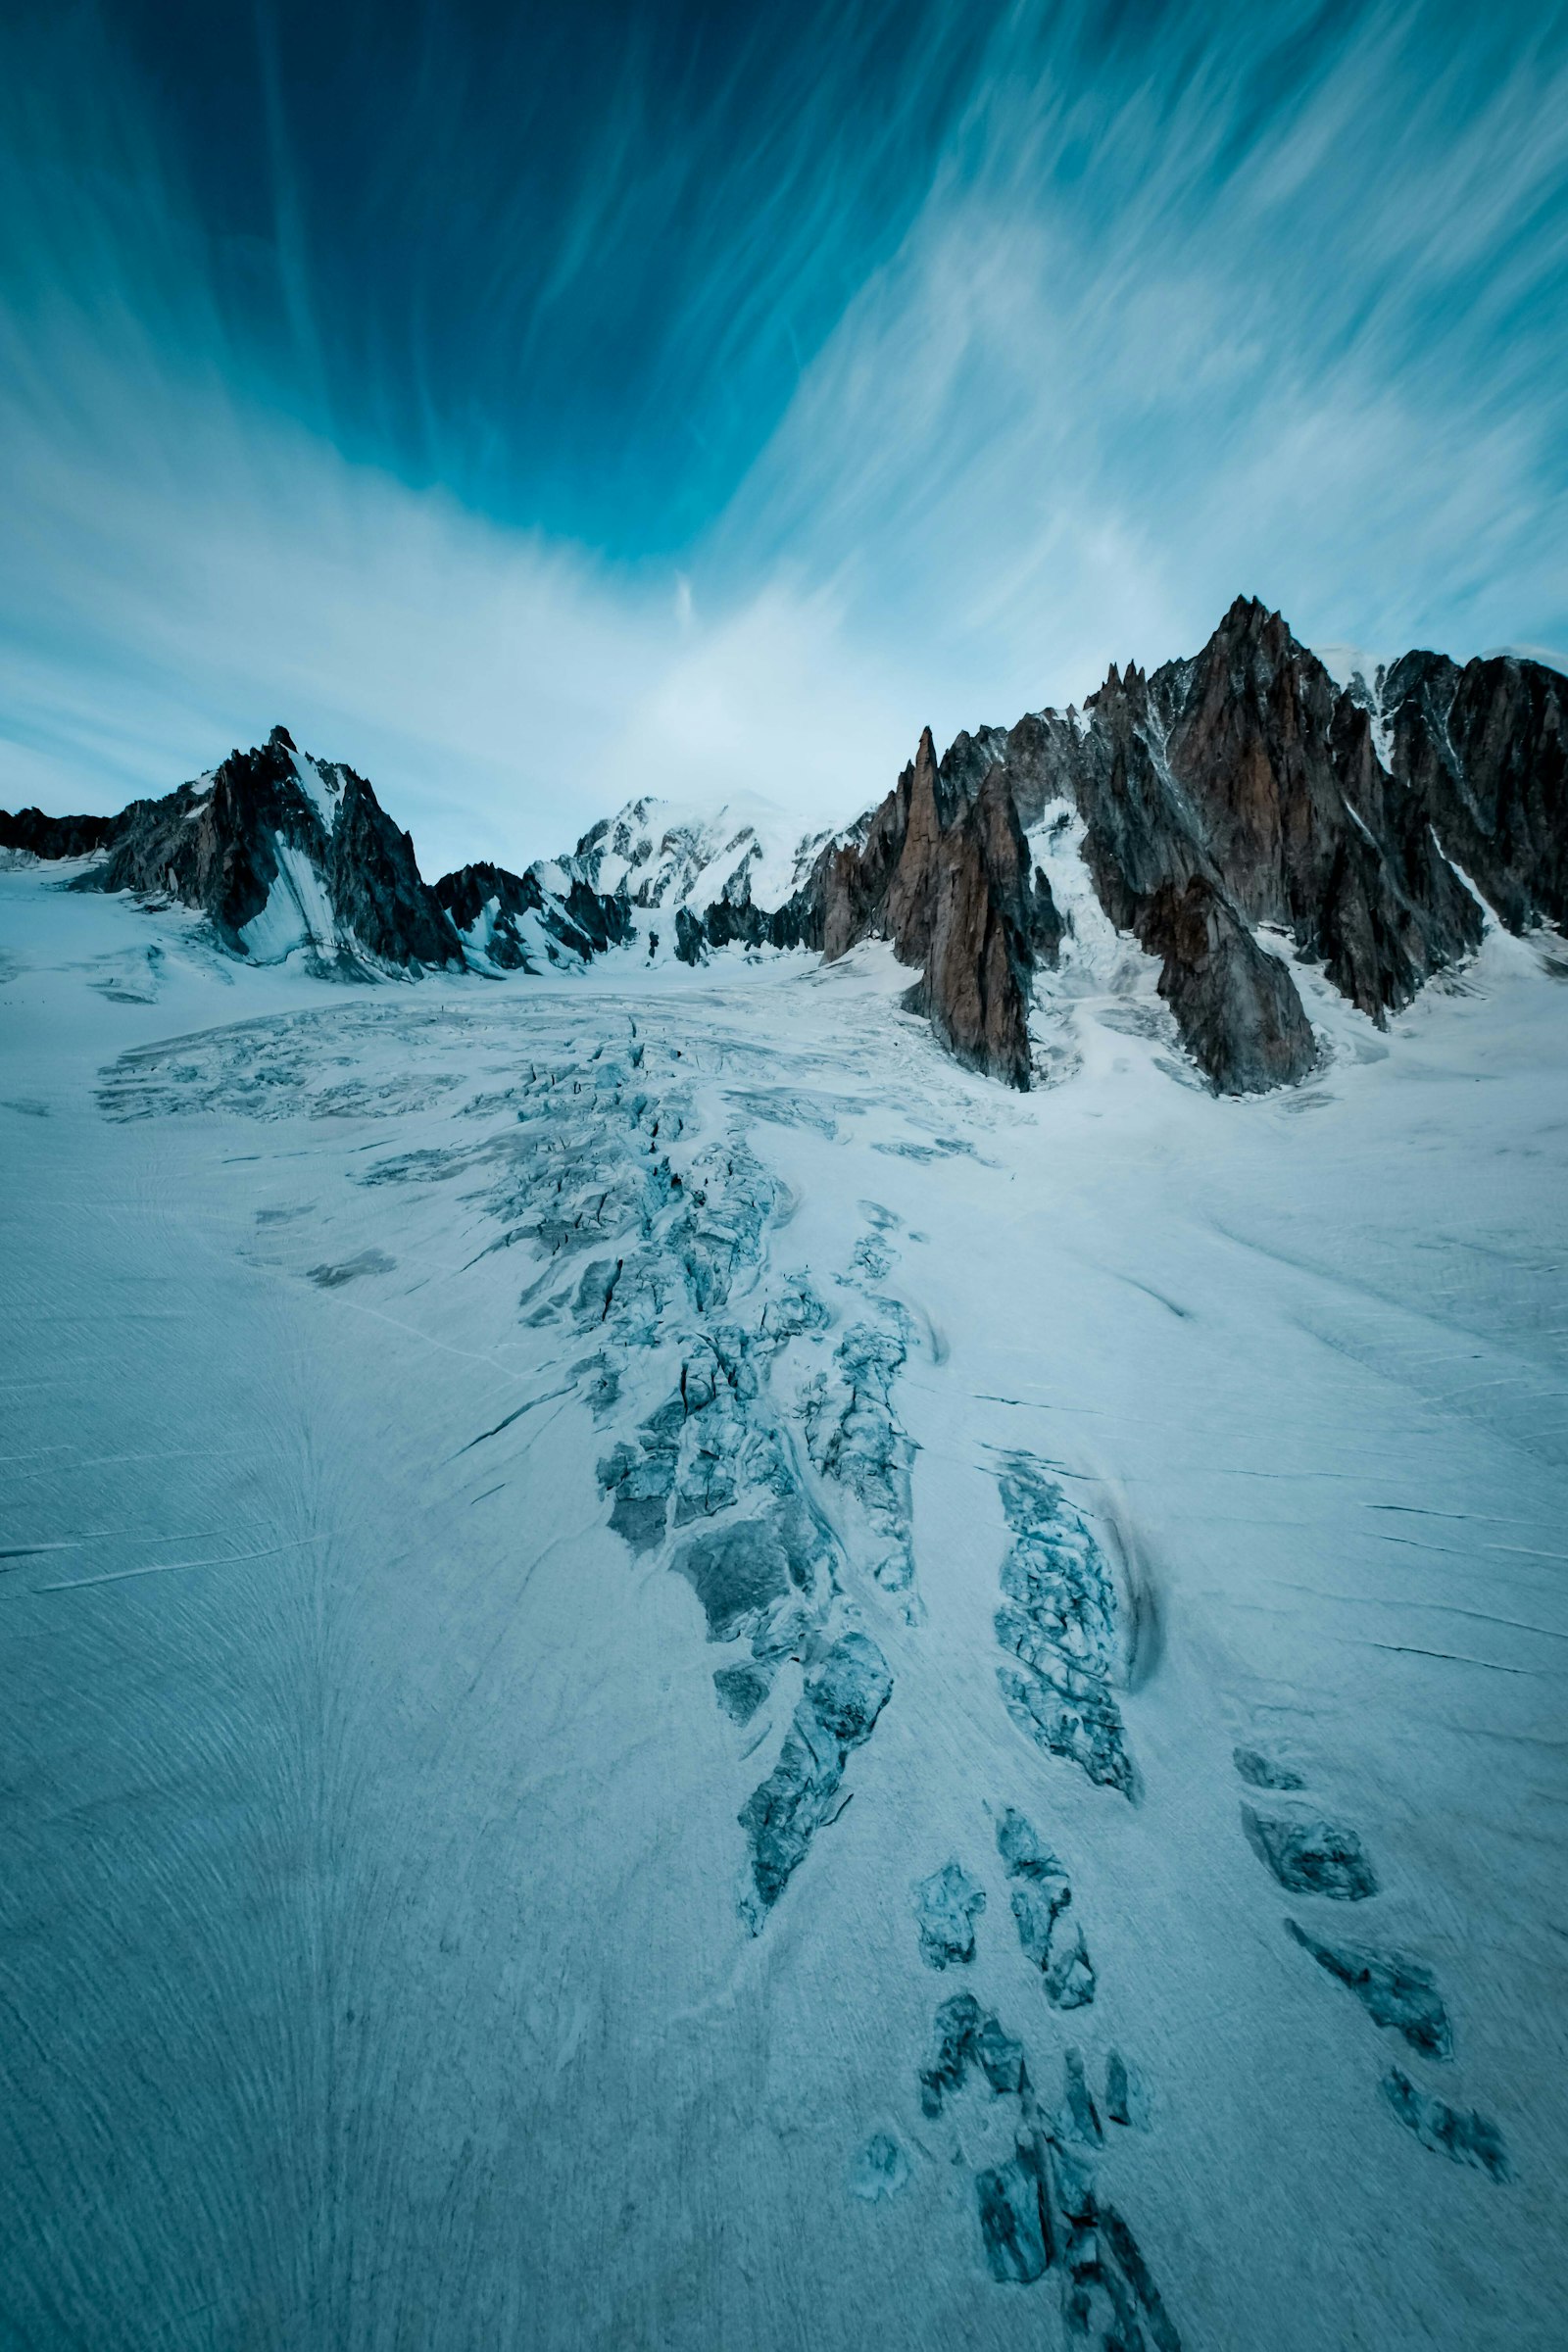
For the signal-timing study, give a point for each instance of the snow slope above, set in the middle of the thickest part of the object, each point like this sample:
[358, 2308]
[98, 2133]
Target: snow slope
[667, 854]
[385, 1959]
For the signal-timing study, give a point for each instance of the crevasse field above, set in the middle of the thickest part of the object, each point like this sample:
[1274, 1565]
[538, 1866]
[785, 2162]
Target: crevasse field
[676, 1677]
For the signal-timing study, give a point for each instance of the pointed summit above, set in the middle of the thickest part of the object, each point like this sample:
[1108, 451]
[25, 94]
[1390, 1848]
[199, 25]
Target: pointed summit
[286, 855]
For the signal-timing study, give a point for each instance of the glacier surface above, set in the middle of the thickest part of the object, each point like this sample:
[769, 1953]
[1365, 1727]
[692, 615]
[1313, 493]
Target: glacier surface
[678, 1677]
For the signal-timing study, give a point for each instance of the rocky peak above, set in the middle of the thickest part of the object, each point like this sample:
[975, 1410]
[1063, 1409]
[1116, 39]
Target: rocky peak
[1237, 787]
[1306, 831]
[943, 873]
[284, 853]
[511, 922]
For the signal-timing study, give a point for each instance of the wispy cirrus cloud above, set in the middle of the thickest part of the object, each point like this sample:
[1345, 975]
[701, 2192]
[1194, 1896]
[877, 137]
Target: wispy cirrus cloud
[533, 426]
[1225, 311]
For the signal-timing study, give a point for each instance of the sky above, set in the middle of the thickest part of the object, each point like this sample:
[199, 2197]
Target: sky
[535, 405]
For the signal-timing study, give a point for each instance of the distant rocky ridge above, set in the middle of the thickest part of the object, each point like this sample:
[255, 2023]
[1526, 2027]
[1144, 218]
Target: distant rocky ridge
[38, 836]
[1237, 790]
[1364, 828]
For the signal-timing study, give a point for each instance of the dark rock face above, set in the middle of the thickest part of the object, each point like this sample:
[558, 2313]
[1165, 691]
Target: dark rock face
[1237, 1007]
[1307, 830]
[690, 937]
[487, 906]
[597, 918]
[1484, 751]
[319, 859]
[53, 836]
[983, 937]
[374, 882]
[1221, 794]
[942, 870]
[489, 896]
[1235, 789]
[733, 920]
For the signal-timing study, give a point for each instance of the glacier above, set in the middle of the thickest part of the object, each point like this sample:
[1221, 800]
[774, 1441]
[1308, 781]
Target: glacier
[682, 1677]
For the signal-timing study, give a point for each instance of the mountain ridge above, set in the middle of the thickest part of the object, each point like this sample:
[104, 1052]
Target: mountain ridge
[1370, 826]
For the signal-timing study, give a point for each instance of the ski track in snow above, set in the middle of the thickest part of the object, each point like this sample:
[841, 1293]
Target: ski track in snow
[680, 1678]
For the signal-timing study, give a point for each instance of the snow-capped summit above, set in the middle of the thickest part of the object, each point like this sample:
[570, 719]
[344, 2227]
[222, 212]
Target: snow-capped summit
[669, 854]
[715, 876]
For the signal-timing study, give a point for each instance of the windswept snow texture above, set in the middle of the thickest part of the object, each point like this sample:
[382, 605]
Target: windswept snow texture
[681, 1678]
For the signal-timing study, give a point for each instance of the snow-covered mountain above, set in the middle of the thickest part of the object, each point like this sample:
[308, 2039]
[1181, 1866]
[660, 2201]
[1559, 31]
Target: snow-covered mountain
[675, 879]
[660, 852]
[1239, 816]
[287, 856]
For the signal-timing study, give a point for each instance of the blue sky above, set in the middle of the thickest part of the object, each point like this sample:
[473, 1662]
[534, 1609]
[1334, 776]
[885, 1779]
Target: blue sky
[534, 406]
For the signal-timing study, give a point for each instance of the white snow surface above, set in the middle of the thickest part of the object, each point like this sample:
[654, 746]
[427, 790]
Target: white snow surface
[322, 787]
[298, 913]
[376, 1971]
[669, 853]
[1353, 666]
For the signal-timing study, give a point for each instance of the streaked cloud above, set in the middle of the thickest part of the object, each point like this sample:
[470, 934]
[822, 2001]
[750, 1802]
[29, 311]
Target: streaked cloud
[912, 367]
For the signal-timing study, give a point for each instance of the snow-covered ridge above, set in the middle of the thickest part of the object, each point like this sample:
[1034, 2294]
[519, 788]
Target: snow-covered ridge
[291, 856]
[669, 854]
[321, 783]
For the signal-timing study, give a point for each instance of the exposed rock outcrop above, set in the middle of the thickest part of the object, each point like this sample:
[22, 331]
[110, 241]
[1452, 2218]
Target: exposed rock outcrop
[40, 836]
[941, 869]
[1236, 1006]
[1239, 790]
[1484, 751]
[283, 853]
[513, 923]
[1306, 830]
[736, 922]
